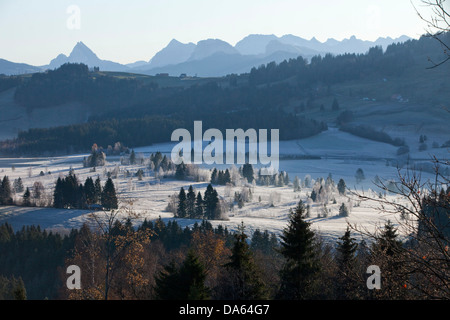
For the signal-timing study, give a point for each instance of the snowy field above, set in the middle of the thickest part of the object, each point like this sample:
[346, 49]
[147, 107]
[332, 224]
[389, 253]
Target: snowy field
[341, 155]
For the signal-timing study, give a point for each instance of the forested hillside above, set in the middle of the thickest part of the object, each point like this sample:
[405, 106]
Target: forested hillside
[138, 111]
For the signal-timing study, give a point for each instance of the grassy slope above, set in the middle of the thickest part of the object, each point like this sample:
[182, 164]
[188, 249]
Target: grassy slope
[427, 91]
[426, 112]
[15, 118]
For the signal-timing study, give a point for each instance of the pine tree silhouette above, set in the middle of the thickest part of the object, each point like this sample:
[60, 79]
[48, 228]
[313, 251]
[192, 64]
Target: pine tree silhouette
[298, 276]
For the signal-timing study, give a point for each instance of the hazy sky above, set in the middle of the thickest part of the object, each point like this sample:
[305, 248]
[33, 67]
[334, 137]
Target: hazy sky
[36, 31]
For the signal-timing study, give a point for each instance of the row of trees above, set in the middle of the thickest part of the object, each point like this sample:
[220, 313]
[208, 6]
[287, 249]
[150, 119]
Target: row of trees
[69, 193]
[308, 269]
[322, 190]
[222, 265]
[31, 196]
[142, 131]
[74, 82]
[331, 69]
[371, 133]
[34, 256]
[164, 261]
[192, 206]
[157, 161]
[141, 117]
[280, 179]
[220, 177]
[97, 158]
[141, 114]
[201, 262]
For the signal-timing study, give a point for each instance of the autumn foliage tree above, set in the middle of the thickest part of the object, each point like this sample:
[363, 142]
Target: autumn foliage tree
[212, 252]
[111, 257]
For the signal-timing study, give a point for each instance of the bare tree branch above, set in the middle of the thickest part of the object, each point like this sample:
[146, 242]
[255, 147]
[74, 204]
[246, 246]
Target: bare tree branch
[438, 24]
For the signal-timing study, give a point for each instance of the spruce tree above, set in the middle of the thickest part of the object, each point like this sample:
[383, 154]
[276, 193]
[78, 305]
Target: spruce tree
[167, 283]
[165, 163]
[81, 198]
[346, 260]
[341, 186]
[257, 240]
[193, 276]
[216, 209]
[335, 105]
[132, 157]
[247, 172]
[214, 176]
[280, 180]
[97, 191]
[263, 241]
[109, 198]
[140, 174]
[244, 282]
[70, 190]
[18, 185]
[388, 242]
[26, 200]
[5, 191]
[186, 282]
[313, 195]
[58, 199]
[359, 175]
[190, 202]
[387, 253]
[227, 177]
[181, 170]
[299, 274]
[211, 201]
[156, 159]
[20, 293]
[89, 191]
[181, 210]
[220, 178]
[199, 206]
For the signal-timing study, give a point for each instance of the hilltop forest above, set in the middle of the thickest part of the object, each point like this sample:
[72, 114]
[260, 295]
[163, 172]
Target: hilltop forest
[140, 110]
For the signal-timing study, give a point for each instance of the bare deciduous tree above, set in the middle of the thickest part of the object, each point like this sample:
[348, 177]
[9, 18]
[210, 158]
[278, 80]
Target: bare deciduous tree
[425, 256]
[437, 19]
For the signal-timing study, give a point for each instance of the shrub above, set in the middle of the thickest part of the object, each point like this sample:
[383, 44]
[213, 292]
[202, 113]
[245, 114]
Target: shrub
[402, 150]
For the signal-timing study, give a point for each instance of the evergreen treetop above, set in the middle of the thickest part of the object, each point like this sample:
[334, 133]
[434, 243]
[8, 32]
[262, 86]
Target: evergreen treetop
[109, 198]
[299, 274]
[246, 282]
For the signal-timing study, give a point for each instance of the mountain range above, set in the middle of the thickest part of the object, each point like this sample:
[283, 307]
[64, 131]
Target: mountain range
[211, 57]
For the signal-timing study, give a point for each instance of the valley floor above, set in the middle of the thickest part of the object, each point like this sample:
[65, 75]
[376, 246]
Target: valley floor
[267, 210]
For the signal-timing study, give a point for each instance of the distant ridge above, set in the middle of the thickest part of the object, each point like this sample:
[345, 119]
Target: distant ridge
[211, 57]
[13, 68]
[214, 57]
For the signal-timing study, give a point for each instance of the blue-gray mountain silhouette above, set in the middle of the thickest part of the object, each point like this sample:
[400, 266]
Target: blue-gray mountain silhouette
[82, 54]
[211, 57]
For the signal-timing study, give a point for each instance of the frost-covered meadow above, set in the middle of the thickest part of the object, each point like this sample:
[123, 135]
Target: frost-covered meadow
[268, 206]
